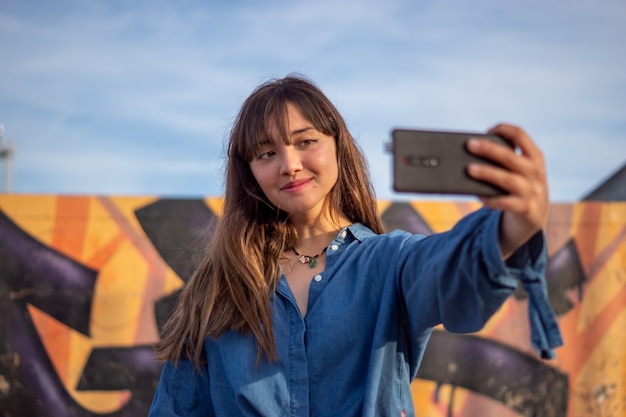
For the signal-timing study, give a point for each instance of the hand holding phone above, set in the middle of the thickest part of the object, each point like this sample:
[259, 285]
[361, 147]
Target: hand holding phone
[436, 162]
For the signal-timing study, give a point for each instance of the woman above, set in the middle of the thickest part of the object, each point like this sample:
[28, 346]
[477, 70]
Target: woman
[303, 306]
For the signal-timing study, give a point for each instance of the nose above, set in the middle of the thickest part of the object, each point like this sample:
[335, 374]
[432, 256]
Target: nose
[291, 162]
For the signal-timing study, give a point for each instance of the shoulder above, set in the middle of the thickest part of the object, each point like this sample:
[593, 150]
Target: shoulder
[364, 235]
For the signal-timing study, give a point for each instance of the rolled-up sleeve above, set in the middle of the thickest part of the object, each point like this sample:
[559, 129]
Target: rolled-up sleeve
[458, 279]
[528, 264]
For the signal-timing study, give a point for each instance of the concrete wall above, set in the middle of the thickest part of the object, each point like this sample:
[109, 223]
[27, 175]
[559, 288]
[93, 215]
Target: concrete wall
[86, 283]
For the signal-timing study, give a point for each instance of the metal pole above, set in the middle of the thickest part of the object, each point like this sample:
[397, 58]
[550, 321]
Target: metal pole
[6, 153]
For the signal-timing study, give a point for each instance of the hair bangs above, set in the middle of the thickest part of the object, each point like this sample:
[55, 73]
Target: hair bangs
[262, 124]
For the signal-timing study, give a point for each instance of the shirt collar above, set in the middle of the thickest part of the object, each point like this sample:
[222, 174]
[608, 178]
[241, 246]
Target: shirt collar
[358, 231]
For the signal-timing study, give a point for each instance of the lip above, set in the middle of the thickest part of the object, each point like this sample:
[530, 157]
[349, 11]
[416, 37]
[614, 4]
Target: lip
[295, 186]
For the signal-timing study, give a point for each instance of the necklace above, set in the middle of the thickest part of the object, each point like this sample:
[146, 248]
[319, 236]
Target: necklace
[311, 260]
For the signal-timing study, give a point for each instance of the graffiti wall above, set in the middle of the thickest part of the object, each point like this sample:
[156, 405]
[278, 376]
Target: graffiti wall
[86, 282]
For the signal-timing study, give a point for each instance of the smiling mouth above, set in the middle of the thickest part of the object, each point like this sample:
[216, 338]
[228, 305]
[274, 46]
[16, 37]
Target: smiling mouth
[296, 185]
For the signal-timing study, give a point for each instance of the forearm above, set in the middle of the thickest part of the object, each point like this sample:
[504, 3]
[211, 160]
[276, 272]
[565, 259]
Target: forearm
[513, 233]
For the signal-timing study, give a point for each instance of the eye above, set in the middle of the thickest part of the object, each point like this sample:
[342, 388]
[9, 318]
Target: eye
[306, 142]
[265, 154]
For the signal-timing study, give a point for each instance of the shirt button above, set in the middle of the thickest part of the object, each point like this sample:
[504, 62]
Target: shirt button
[334, 247]
[343, 234]
[317, 278]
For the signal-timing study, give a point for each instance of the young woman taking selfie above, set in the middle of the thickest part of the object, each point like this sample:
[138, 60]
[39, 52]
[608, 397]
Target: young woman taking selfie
[303, 305]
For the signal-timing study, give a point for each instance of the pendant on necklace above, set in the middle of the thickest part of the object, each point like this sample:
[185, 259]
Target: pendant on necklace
[306, 259]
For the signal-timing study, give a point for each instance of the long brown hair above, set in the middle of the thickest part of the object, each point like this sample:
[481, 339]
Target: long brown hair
[232, 287]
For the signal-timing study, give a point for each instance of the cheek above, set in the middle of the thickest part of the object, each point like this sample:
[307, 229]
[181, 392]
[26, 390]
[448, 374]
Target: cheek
[332, 167]
[262, 176]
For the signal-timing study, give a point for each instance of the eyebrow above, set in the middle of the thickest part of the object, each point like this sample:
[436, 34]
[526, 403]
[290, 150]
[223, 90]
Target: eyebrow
[304, 129]
[268, 141]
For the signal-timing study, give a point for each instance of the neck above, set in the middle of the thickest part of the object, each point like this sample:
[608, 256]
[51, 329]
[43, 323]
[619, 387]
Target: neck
[316, 235]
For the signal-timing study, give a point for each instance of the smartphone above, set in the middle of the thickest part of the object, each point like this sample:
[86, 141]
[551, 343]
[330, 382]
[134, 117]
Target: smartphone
[435, 162]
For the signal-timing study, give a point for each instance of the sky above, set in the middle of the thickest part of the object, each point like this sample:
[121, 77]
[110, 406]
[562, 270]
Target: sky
[137, 97]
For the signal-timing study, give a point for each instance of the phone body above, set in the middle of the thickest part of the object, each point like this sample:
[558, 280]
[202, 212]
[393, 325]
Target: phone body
[435, 162]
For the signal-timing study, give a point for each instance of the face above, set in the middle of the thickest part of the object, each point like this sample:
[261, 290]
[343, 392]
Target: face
[298, 176]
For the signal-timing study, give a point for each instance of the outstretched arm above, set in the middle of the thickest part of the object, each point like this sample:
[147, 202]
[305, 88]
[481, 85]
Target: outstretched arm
[523, 176]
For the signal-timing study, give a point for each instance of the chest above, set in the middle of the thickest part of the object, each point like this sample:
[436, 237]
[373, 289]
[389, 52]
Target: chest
[299, 277]
[348, 337]
[320, 315]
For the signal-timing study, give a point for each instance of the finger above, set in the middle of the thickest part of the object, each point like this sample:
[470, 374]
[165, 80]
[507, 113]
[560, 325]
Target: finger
[529, 162]
[499, 154]
[505, 179]
[496, 203]
[519, 138]
[510, 203]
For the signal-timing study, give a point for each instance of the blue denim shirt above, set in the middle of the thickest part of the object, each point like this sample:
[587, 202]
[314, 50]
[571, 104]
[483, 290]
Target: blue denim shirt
[370, 315]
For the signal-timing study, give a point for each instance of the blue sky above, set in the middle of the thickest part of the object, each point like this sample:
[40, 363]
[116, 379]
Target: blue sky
[137, 97]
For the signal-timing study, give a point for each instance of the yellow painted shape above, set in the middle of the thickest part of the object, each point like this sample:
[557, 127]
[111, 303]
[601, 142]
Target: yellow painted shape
[101, 231]
[69, 351]
[601, 290]
[423, 392]
[172, 282]
[126, 206]
[216, 205]
[616, 212]
[72, 215]
[443, 215]
[610, 227]
[94, 401]
[382, 206]
[118, 298]
[55, 337]
[34, 214]
[119, 212]
[601, 383]
[502, 316]
[584, 226]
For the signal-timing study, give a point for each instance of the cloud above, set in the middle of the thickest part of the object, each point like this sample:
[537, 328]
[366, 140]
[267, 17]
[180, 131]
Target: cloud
[128, 84]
